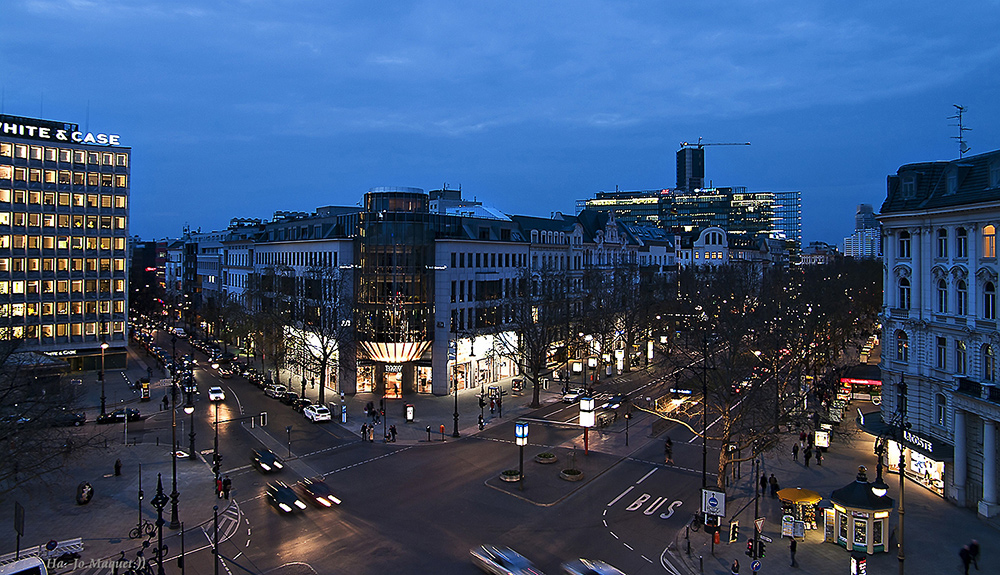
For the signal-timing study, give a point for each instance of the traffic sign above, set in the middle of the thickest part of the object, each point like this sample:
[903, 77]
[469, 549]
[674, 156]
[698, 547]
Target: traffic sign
[759, 522]
[755, 566]
[713, 502]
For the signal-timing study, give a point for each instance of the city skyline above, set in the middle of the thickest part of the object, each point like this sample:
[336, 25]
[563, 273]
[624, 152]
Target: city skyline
[243, 110]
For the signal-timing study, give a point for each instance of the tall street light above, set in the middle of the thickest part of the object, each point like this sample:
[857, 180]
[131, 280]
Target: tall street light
[174, 521]
[189, 409]
[455, 384]
[100, 375]
[704, 415]
[521, 438]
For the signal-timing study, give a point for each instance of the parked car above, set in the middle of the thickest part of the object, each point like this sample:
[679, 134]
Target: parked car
[119, 415]
[317, 492]
[65, 418]
[589, 567]
[216, 394]
[266, 461]
[275, 391]
[301, 403]
[316, 413]
[502, 561]
[284, 498]
[289, 398]
[179, 332]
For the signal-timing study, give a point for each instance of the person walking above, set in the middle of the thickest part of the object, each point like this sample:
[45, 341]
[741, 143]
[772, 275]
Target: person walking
[735, 569]
[795, 451]
[819, 458]
[227, 486]
[763, 483]
[807, 455]
[392, 432]
[974, 552]
[364, 431]
[966, 556]
[773, 481]
[668, 451]
[218, 487]
[118, 467]
[792, 547]
[802, 436]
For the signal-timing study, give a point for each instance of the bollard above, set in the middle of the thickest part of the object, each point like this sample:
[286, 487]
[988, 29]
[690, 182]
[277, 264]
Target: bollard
[701, 564]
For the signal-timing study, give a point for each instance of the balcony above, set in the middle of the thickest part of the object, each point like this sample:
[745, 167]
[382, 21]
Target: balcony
[899, 313]
[969, 387]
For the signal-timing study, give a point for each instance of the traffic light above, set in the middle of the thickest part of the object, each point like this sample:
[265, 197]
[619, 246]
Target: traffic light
[761, 548]
[734, 532]
[482, 402]
[749, 547]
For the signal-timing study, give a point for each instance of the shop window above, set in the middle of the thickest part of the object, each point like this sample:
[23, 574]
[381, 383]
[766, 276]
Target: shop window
[904, 293]
[902, 346]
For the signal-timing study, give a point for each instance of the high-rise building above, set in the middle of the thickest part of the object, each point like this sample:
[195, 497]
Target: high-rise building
[690, 168]
[63, 240]
[866, 241]
[939, 336]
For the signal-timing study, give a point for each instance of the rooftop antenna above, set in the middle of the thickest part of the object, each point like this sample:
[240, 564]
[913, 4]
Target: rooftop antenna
[962, 146]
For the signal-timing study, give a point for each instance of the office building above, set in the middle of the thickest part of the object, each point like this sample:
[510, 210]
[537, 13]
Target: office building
[64, 195]
[866, 241]
[939, 321]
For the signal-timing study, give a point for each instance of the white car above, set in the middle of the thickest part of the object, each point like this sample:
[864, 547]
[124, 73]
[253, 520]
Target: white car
[216, 394]
[573, 395]
[316, 413]
[179, 332]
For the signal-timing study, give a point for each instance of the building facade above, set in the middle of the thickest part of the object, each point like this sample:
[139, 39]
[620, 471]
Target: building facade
[64, 207]
[939, 321]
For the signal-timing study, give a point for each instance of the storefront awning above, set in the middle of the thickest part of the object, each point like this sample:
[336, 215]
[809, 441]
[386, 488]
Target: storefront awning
[927, 446]
[799, 495]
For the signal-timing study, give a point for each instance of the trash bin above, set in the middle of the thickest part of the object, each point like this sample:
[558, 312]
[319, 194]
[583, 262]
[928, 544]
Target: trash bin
[409, 413]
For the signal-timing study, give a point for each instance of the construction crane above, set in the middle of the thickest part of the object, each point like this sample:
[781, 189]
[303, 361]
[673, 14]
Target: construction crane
[701, 144]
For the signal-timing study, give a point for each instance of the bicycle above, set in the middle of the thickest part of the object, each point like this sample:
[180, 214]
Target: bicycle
[145, 528]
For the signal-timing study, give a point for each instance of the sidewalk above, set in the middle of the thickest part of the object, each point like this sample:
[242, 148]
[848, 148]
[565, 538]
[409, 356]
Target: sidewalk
[935, 530]
[51, 511]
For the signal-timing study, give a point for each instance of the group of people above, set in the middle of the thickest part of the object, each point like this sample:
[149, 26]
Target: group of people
[368, 433]
[769, 482]
[805, 444]
[223, 485]
[970, 555]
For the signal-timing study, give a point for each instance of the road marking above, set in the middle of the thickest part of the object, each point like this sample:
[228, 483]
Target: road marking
[624, 493]
[651, 471]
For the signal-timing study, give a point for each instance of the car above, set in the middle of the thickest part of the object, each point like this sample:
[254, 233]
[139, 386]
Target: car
[275, 391]
[589, 567]
[284, 498]
[317, 492]
[119, 415]
[225, 373]
[289, 398]
[216, 394]
[316, 413]
[502, 561]
[301, 403]
[573, 395]
[65, 418]
[614, 402]
[179, 332]
[266, 461]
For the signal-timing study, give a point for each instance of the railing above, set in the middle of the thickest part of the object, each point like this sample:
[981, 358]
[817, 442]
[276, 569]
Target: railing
[994, 394]
[969, 387]
[899, 313]
[40, 551]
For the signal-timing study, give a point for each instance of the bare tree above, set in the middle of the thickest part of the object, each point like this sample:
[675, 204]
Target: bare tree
[325, 320]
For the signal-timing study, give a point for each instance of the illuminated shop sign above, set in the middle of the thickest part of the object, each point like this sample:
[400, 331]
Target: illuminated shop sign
[55, 134]
[393, 369]
[918, 441]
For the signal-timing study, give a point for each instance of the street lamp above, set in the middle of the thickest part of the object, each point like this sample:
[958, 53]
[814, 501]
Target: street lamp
[189, 409]
[216, 459]
[159, 502]
[586, 421]
[174, 521]
[455, 433]
[100, 375]
[521, 438]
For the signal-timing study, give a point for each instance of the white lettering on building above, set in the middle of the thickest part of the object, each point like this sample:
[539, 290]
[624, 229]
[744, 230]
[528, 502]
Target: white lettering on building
[918, 441]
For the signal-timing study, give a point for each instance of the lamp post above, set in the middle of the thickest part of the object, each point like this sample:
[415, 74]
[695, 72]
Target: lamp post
[455, 381]
[903, 425]
[627, 417]
[159, 502]
[174, 521]
[704, 415]
[216, 459]
[189, 409]
[100, 375]
[521, 438]
[586, 421]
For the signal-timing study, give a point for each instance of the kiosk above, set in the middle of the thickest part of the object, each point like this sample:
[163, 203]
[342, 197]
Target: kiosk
[859, 519]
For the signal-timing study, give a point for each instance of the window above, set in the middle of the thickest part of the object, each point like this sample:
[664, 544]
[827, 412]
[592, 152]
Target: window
[904, 294]
[989, 363]
[941, 354]
[989, 301]
[960, 357]
[940, 409]
[961, 243]
[942, 299]
[942, 243]
[909, 187]
[961, 298]
[902, 346]
[989, 241]
[904, 244]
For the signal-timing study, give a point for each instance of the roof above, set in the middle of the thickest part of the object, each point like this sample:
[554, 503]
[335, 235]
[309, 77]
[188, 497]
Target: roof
[858, 495]
[930, 184]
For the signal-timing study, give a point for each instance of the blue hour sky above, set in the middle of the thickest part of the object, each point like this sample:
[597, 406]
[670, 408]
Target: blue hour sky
[244, 107]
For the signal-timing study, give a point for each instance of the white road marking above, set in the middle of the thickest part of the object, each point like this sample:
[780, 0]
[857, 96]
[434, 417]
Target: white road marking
[624, 493]
[652, 471]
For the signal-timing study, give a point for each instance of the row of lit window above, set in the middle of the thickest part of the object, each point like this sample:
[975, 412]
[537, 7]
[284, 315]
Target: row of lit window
[61, 308]
[79, 222]
[104, 265]
[64, 199]
[26, 152]
[62, 242]
[65, 177]
[709, 255]
[961, 355]
[61, 286]
[989, 243]
[49, 331]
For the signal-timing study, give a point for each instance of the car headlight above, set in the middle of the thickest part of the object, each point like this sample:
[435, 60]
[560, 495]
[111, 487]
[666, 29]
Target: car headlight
[278, 465]
[300, 504]
[335, 500]
[284, 507]
[322, 501]
[265, 466]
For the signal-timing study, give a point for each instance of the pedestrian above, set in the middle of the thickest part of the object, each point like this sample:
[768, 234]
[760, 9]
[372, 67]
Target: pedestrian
[763, 483]
[118, 467]
[668, 451]
[819, 458]
[392, 432]
[227, 486]
[966, 556]
[371, 434]
[493, 406]
[974, 552]
[792, 546]
[735, 569]
[807, 455]
[218, 487]
[802, 436]
[795, 451]
[364, 431]
[165, 402]
[773, 481]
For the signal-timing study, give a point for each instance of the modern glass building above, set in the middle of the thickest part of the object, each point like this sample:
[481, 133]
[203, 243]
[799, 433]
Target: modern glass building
[64, 206]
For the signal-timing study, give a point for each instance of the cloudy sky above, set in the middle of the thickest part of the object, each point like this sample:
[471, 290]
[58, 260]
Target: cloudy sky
[243, 107]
